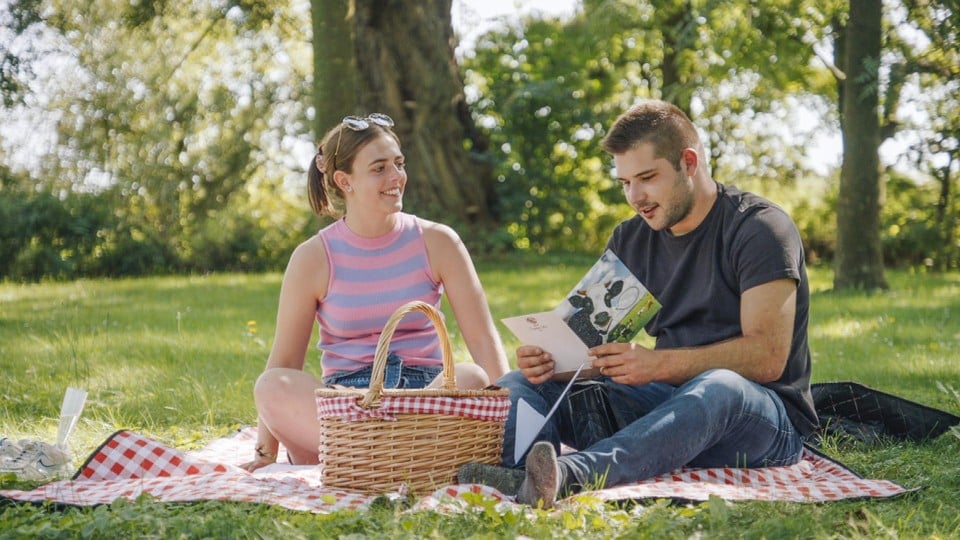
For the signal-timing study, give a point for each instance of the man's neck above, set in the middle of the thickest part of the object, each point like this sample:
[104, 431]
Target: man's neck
[705, 196]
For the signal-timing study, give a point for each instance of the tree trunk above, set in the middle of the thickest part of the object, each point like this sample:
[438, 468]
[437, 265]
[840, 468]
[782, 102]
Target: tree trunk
[859, 261]
[840, 60]
[334, 72]
[407, 69]
[945, 226]
[679, 34]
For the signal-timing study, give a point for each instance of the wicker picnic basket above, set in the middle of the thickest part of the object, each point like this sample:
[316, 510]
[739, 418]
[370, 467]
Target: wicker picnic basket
[380, 440]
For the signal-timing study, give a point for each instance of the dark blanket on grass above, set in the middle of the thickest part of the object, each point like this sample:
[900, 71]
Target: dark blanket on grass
[129, 465]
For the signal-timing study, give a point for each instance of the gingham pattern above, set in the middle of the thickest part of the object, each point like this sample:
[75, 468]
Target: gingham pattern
[815, 478]
[128, 455]
[487, 408]
[175, 476]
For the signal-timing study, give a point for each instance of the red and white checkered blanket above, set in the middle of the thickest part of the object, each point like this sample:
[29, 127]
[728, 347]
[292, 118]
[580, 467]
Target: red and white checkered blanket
[347, 408]
[129, 465]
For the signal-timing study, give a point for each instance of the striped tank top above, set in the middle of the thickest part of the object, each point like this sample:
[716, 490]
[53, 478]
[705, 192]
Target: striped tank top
[369, 279]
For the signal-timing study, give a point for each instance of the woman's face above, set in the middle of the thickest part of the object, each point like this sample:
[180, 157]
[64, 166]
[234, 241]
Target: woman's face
[379, 176]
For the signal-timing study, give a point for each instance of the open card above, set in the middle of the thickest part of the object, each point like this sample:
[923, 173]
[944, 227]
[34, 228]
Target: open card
[608, 304]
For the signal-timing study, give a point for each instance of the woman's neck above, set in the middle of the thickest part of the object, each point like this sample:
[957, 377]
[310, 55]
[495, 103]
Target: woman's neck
[369, 225]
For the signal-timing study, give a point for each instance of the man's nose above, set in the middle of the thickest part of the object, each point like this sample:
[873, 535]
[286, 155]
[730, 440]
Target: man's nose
[636, 194]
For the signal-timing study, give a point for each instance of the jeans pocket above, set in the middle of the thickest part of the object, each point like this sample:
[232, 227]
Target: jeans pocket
[419, 376]
[360, 378]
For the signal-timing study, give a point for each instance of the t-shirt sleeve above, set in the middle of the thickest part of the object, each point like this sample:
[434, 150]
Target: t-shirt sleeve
[768, 248]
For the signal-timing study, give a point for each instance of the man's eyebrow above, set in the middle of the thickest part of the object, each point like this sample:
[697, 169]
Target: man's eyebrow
[645, 172]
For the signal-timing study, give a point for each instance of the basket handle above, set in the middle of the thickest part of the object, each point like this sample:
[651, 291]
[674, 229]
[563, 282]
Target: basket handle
[383, 348]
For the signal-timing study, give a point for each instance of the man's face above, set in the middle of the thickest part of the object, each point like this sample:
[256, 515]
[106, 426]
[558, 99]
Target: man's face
[660, 194]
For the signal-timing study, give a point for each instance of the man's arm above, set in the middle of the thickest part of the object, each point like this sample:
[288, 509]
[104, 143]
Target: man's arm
[767, 314]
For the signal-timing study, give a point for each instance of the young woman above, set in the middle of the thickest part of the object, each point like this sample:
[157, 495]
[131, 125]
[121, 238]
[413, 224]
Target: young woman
[351, 277]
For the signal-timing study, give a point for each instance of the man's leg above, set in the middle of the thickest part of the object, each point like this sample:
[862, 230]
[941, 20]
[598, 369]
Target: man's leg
[716, 419]
[626, 403]
[507, 478]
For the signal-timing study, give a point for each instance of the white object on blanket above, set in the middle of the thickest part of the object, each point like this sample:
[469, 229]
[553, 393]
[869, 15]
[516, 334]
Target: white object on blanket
[33, 460]
[70, 411]
[530, 422]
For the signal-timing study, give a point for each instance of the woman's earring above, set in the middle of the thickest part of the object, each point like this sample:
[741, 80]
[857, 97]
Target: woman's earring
[348, 189]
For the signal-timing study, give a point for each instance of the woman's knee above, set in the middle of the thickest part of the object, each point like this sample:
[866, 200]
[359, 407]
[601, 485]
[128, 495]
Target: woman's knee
[470, 376]
[280, 383]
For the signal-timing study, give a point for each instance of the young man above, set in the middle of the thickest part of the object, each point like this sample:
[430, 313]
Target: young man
[728, 382]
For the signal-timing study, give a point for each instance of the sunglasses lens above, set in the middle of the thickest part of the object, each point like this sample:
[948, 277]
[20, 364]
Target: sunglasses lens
[381, 119]
[359, 124]
[355, 123]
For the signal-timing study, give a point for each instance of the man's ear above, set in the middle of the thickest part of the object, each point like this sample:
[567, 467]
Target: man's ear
[690, 161]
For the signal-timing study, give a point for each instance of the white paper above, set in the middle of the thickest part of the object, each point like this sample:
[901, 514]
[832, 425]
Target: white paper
[530, 422]
[551, 333]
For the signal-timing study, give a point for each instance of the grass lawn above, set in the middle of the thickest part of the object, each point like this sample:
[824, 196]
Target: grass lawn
[175, 358]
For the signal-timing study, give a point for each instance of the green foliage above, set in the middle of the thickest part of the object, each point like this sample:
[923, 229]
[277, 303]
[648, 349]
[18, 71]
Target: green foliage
[80, 235]
[546, 115]
[176, 358]
[178, 117]
[547, 90]
[816, 221]
[916, 230]
[44, 236]
[179, 124]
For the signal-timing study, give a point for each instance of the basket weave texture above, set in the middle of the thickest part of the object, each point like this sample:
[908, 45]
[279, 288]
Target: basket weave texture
[380, 440]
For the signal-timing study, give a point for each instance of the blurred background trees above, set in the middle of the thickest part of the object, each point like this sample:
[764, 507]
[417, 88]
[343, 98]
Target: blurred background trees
[155, 136]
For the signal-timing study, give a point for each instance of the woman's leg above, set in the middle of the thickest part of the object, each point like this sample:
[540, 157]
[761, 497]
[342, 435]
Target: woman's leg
[286, 402]
[469, 376]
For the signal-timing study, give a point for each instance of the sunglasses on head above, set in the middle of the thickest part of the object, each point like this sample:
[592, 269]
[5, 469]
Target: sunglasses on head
[360, 123]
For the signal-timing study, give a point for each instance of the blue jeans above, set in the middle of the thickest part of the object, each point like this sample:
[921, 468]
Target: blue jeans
[396, 375]
[717, 419]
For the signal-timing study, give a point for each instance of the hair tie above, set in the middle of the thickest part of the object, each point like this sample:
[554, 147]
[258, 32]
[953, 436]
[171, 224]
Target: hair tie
[321, 165]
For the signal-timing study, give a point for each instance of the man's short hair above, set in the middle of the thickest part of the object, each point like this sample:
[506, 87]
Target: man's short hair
[653, 121]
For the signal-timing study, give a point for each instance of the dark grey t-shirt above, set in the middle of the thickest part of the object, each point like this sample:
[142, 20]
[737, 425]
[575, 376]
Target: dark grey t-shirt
[699, 278]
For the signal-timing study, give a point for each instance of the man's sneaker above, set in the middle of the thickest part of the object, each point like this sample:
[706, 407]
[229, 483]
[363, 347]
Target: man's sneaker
[542, 481]
[504, 480]
[33, 460]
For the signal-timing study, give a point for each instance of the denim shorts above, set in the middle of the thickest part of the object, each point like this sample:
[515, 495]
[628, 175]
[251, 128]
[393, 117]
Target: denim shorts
[396, 375]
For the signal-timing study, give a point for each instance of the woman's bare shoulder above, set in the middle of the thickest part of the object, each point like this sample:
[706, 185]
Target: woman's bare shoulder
[308, 266]
[438, 232]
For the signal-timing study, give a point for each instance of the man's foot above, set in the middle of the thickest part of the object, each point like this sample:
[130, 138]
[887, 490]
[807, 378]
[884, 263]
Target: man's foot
[542, 481]
[504, 480]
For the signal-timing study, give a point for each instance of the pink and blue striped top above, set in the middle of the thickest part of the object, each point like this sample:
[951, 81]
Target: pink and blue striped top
[369, 279]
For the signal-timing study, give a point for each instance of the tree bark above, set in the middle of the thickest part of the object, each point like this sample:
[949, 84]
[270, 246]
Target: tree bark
[407, 69]
[334, 71]
[859, 259]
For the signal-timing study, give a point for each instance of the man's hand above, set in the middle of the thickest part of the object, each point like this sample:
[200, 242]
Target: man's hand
[535, 363]
[624, 363]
